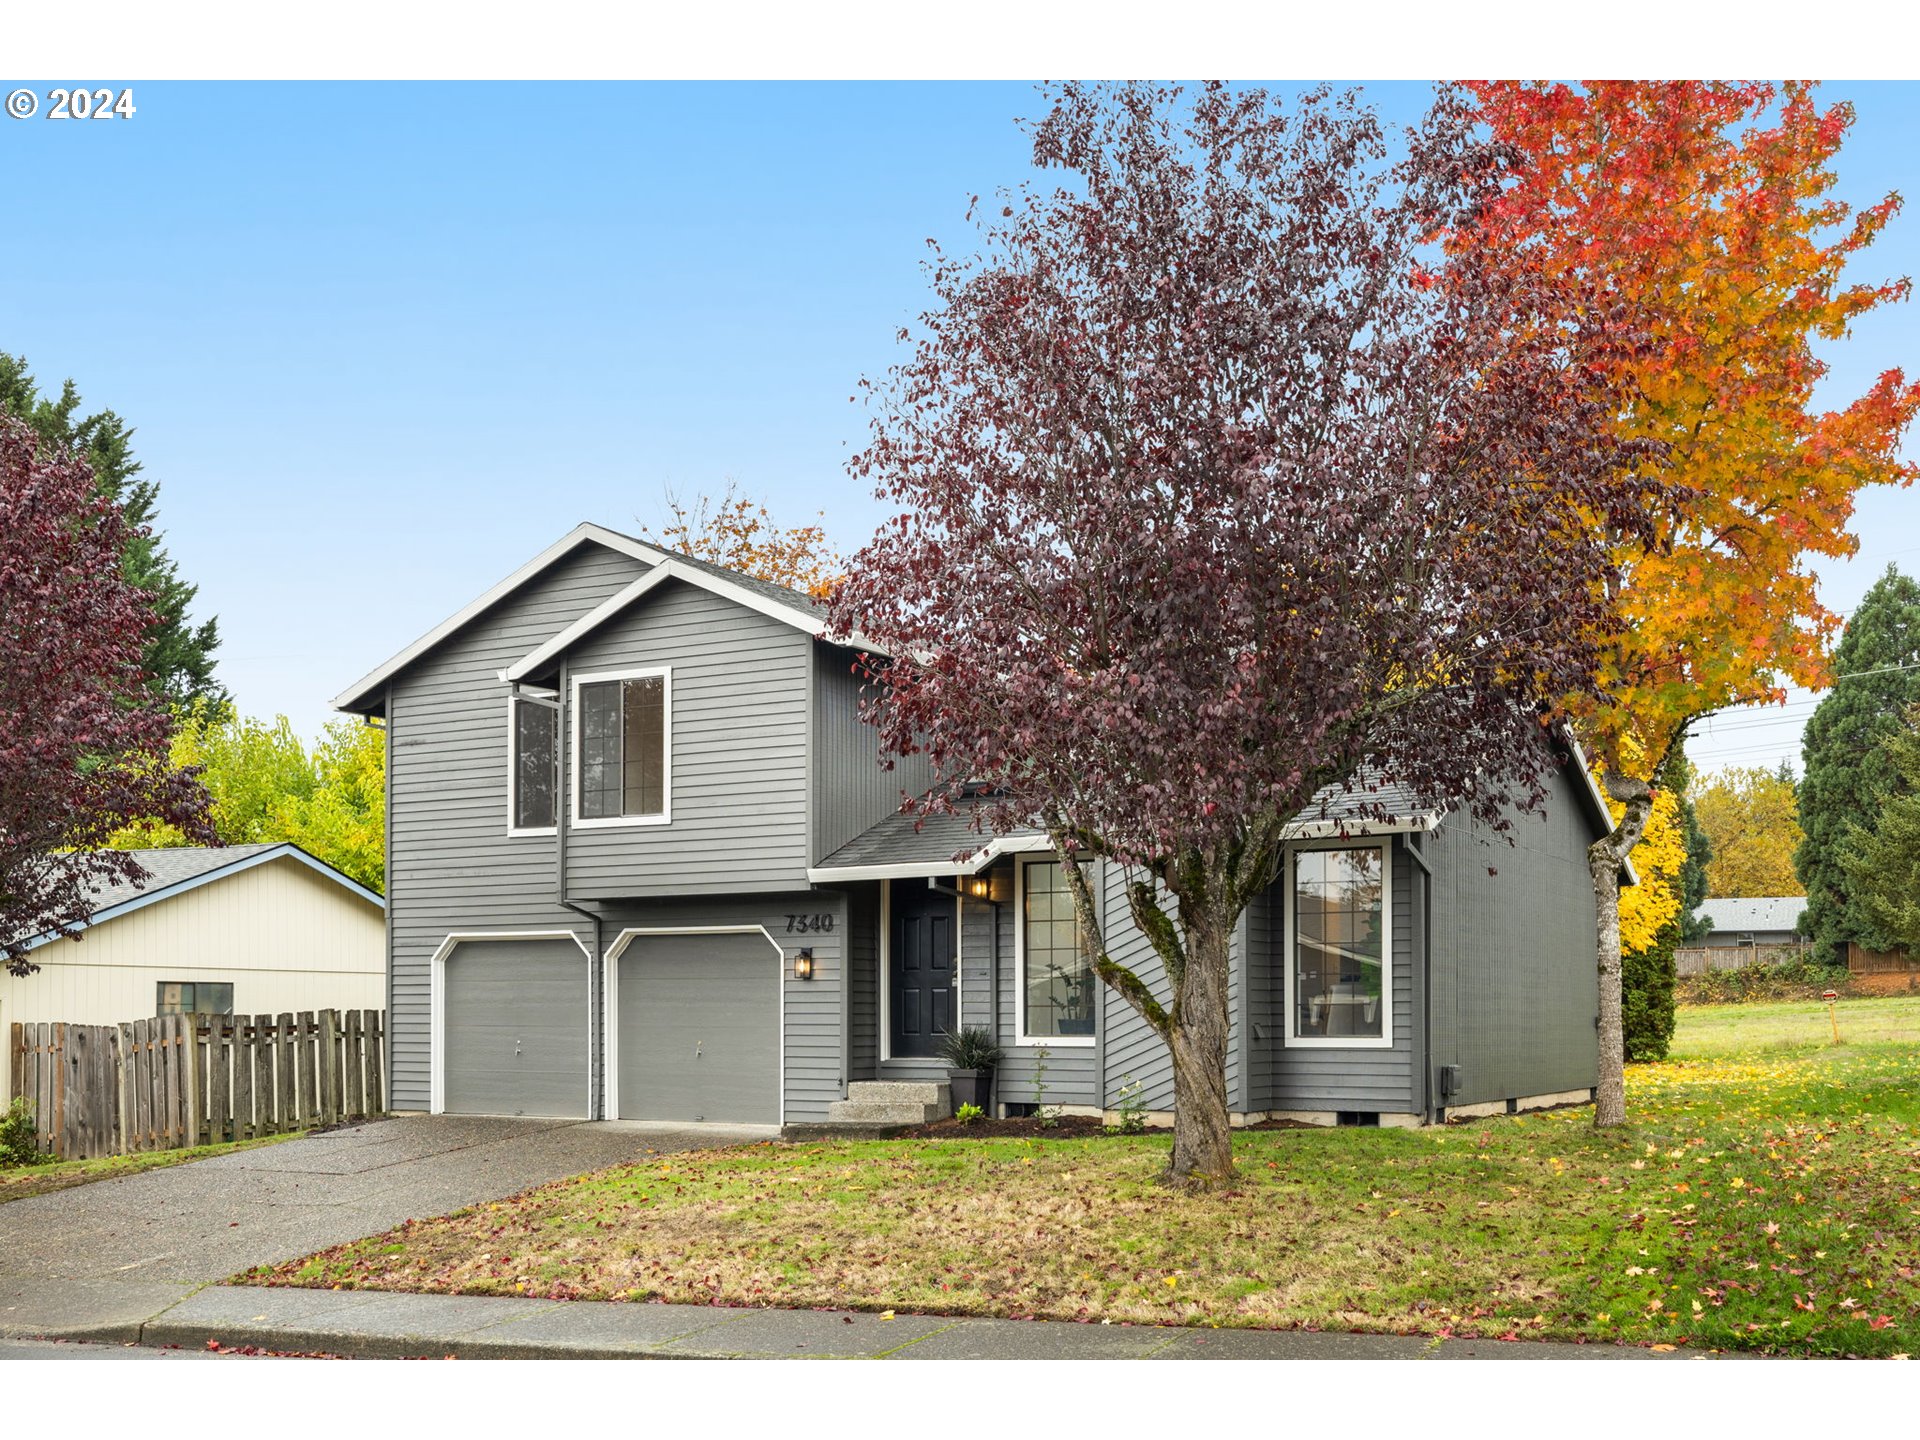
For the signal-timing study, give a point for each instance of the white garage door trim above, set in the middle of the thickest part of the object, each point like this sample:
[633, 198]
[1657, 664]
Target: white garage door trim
[611, 983]
[437, 1003]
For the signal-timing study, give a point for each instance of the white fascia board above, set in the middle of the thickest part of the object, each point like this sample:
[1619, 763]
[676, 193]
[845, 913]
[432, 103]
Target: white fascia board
[913, 869]
[355, 696]
[806, 621]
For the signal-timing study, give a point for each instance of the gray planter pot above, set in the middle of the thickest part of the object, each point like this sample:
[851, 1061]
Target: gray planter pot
[972, 1087]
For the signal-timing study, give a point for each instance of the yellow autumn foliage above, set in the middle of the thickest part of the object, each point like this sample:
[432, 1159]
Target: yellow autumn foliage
[1649, 907]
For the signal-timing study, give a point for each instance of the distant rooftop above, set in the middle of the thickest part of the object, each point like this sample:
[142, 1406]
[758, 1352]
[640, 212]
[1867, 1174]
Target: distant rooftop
[1757, 912]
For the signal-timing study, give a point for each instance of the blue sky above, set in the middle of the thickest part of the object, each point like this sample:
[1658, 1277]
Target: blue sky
[382, 343]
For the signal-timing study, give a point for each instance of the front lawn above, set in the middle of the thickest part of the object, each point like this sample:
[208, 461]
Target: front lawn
[1767, 1197]
[19, 1181]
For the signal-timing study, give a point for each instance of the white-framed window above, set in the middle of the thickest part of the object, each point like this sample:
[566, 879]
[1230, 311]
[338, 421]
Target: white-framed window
[1054, 986]
[623, 748]
[1339, 952]
[533, 764]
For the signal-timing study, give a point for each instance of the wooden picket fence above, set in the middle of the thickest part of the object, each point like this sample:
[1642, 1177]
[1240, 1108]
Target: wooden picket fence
[179, 1080]
[1699, 959]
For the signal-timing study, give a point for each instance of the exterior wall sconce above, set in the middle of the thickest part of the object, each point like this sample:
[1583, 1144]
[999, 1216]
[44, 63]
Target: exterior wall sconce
[977, 887]
[803, 964]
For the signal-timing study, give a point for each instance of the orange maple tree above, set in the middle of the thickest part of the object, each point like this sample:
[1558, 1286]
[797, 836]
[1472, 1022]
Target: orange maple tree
[738, 532]
[1702, 215]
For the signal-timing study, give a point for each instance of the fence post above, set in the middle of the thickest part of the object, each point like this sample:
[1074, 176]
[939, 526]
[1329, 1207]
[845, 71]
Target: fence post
[355, 1102]
[287, 1107]
[376, 1062]
[330, 1067]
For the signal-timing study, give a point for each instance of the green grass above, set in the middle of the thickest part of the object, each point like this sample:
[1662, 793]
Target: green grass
[1766, 1197]
[19, 1182]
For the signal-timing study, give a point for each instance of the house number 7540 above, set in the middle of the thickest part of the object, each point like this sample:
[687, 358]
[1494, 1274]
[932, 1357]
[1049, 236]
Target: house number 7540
[809, 924]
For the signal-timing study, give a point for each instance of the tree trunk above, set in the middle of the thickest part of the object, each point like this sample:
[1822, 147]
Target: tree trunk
[1610, 1097]
[1605, 857]
[1197, 1038]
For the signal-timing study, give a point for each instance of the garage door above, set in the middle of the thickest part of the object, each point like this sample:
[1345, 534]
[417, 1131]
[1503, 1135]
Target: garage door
[699, 1028]
[516, 1028]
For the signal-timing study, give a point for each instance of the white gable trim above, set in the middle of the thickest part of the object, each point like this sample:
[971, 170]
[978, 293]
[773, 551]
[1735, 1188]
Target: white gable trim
[284, 851]
[806, 621]
[357, 694]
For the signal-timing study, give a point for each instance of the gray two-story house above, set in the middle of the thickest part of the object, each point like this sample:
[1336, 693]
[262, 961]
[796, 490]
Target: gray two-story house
[643, 861]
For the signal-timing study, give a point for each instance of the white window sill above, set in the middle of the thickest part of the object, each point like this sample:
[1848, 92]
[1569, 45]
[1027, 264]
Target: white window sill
[513, 834]
[622, 822]
[1057, 1042]
[1338, 1042]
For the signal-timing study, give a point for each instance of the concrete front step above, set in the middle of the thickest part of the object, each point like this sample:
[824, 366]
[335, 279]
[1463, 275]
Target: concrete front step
[882, 1112]
[903, 1092]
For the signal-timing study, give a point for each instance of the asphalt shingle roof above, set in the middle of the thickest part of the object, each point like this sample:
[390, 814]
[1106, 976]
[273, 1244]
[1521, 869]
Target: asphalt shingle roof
[170, 867]
[1754, 912]
[906, 839]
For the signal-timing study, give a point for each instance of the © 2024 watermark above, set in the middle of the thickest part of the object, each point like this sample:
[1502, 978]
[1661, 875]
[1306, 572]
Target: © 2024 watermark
[66, 102]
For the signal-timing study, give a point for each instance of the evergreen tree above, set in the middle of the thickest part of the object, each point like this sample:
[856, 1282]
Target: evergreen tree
[179, 654]
[1882, 854]
[1876, 670]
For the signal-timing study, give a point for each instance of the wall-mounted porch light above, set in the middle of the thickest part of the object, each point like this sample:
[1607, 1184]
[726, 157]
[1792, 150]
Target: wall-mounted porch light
[803, 964]
[977, 887]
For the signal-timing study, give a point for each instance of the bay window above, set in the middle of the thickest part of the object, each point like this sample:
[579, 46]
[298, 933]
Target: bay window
[1055, 989]
[1339, 949]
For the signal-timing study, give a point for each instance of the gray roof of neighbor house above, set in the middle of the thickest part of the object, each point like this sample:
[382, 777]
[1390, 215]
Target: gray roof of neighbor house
[176, 870]
[1754, 912]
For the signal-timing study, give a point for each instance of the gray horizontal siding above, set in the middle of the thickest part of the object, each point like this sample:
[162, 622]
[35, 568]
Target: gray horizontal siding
[450, 863]
[1515, 981]
[738, 774]
[851, 789]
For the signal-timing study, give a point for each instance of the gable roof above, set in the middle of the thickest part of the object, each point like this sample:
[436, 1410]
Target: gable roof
[177, 870]
[792, 607]
[1754, 912]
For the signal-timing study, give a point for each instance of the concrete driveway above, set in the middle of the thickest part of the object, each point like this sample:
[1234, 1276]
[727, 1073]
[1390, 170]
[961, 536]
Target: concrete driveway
[97, 1260]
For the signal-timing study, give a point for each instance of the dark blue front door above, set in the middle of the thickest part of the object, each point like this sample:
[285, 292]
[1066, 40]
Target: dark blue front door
[920, 969]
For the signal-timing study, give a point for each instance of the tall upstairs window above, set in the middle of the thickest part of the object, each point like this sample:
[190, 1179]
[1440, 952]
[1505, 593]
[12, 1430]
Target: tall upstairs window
[533, 771]
[624, 747]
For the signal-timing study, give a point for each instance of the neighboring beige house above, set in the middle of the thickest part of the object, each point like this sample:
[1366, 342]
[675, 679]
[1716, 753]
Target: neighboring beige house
[248, 929]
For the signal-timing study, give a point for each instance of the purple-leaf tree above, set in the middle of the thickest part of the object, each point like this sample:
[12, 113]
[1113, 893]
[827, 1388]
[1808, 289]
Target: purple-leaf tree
[83, 742]
[1214, 502]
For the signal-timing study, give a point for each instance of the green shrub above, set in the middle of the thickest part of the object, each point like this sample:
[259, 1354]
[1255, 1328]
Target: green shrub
[1646, 998]
[1131, 1107]
[1800, 980]
[970, 1049]
[19, 1137]
[968, 1114]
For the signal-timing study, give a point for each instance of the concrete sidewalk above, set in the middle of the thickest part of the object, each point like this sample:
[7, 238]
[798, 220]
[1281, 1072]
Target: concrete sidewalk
[97, 1261]
[374, 1325]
